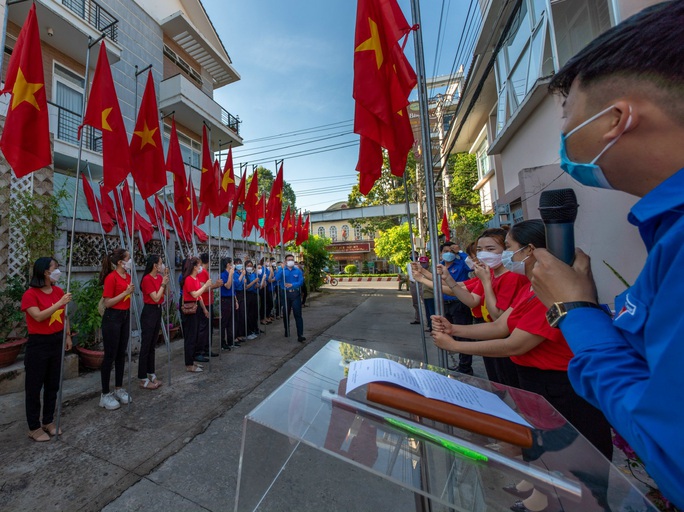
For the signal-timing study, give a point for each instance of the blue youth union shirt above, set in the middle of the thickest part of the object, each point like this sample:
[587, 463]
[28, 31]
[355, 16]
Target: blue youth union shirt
[459, 271]
[295, 277]
[226, 292]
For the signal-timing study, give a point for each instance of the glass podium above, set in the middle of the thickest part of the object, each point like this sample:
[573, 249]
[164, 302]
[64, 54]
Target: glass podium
[309, 447]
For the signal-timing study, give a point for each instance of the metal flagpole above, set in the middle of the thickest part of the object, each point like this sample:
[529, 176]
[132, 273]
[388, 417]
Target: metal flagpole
[192, 210]
[180, 247]
[413, 251]
[165, 326]
[234, 297]
[72, 235]
[427, 162]
[97, 208]
[210, 327]
[286, 313]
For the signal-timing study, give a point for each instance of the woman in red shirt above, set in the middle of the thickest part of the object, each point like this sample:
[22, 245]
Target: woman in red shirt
[539, 351]
[43, 303]
[153, 285]
[117, 295]
[192, 292]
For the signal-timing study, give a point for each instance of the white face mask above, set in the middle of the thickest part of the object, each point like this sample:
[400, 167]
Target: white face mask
[162, 267]
[517, 267]
[128, 265]
[491, 259]
[55, 275]
[260, 271]
[290, 264]
[250, 269]
[469, 263]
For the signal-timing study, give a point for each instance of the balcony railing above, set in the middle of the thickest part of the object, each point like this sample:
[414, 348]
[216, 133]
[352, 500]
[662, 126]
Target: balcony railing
[230, 121]
[67, 130]
[95, 15]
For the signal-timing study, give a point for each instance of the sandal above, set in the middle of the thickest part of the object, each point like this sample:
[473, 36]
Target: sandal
[148, 384]
[153, 378]
[194, 368]
[38, 435]
[51, 429]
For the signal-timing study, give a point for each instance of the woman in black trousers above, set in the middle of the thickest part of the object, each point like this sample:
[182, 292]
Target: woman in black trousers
[153, 285]
[43, 303]
[192, 293]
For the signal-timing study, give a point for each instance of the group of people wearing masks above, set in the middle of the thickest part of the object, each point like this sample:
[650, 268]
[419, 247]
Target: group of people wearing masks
[495, 314]
[264, 292]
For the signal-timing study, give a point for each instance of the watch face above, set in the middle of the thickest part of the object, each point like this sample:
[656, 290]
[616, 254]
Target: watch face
[553, 315]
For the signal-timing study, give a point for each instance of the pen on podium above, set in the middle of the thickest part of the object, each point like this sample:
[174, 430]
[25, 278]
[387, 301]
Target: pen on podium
[449, 445]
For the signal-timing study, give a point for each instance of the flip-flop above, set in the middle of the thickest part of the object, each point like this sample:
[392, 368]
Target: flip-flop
[38, 435]
[148, 384]
[195, 369]
[51, 429]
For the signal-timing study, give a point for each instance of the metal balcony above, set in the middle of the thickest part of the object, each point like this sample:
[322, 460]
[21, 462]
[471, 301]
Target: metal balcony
[95, 15]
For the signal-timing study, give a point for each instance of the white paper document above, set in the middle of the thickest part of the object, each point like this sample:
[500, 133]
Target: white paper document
[430, 385]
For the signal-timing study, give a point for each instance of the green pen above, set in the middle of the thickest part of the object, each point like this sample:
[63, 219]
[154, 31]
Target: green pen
[449, 445]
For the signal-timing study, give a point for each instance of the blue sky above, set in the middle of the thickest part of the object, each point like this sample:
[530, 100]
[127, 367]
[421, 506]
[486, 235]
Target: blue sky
[296, 63]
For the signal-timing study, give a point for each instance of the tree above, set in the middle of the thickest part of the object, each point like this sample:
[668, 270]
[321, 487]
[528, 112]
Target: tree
[467, 220]
[316, 258]
[387, 190]
[394, 245]
[266, 179]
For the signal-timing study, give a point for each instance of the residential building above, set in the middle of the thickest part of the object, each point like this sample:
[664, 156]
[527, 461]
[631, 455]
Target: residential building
[188, 61]
[507, 118]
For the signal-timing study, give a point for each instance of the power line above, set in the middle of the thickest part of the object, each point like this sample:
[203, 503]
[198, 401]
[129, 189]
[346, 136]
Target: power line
[323, 149]
[279, 148]
[329, 126]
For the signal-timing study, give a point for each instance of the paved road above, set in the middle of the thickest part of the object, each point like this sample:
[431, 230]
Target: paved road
[178, 448]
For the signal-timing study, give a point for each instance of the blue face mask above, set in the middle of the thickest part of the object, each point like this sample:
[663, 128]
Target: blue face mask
[238, 266]
[448, 257]
[589, 174]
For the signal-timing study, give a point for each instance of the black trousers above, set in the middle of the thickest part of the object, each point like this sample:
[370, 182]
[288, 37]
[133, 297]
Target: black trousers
[150, 322]
[205, 332]
[115, 328]
[191, 331]
[266, 304]
[252, 313]
[459, 314]
[292, 301]
[228, 321]
[500, 369]
[240, 315]
[42, 365]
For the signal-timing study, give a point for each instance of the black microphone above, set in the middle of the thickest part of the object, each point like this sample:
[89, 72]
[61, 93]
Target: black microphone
[558, 210]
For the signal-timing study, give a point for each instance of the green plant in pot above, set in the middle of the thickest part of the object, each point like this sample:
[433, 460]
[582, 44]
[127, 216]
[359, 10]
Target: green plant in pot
[85, 319]
[12, 326]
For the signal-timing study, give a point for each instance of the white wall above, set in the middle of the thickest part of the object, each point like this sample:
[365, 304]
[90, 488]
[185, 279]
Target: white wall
[601, 229]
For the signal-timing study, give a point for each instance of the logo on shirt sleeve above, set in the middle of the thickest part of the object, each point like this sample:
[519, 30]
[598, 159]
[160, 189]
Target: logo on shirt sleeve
[57, 317]
[629, 308]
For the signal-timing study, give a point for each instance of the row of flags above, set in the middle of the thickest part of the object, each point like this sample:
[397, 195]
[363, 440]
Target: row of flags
[25, 143]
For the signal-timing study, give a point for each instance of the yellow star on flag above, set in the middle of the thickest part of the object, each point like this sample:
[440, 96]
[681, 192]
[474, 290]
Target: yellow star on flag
[146, 135]
[372, 43]
[227, 180]
[105, 115]
[127, 297]
[24, 91]
[56, 317]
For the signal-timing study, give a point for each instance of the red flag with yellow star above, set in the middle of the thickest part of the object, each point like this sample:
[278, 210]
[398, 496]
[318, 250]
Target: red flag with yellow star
[147, 154]
[239, 200]
[103, 113]
[444, 228]
[251, 205]
[208, 180]
[288, 226]
[227, 189]
[274, 208]
[383, 79]
[25, 140]
[95, 206]
[175, 165]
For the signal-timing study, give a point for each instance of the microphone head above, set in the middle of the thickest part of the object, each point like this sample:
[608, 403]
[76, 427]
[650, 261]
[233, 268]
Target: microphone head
[559, 205]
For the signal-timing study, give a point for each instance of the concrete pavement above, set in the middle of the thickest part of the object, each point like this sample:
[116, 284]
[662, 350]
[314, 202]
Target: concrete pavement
[177, 448]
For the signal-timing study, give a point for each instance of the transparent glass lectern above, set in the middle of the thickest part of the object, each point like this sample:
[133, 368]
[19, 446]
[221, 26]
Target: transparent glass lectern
[309, 447]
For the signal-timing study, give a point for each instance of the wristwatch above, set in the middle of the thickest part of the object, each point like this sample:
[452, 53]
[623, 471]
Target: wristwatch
[557, 312]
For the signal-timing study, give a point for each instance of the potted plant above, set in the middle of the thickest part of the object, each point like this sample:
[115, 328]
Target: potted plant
[86, 322]
[172, 321]
[12, 327]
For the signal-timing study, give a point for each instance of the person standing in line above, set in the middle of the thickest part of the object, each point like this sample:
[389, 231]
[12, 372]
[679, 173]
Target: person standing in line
[192, 293]
[239, 287]
[153, 286]
[252, 305]
[414, 289]
[229, 305]
[273, 290]
[206, 330]
[428, 295]
[291, 280]
[43, 304]
[117, 294]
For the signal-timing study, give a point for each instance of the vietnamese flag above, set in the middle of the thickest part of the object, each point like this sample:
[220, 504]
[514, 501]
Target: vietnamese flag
[96, 210]
[227, 190]
[192, 212]
[207, 183]
[103, 113]
[25, 139]
[156, 220]
[175, 165]
[288, 226]
[383, 80]
[303, 236]
[274, 208]
[216, 206]
[201, 235]
[239, 200]
[444, 228]
[251, 205]
[298, 229]
[106, 203]
[147, 154]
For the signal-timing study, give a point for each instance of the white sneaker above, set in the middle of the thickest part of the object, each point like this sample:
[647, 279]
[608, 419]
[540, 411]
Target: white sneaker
[121, 395]
[252, 337]
[109, 402]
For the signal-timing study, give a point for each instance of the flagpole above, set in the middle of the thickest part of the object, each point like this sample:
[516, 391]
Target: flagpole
[192, 211]
[180, 246]
[72, 235]
[165, 326]
[97, 209]
[285, 312]
[427, 162]
[418, 287]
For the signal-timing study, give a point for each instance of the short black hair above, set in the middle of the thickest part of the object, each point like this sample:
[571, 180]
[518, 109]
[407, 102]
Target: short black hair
[226, 261]
[39, 268]
[238, 261]
[647, 48]
[445, 244]
[529, 232]
[289, 256]
[204, 257]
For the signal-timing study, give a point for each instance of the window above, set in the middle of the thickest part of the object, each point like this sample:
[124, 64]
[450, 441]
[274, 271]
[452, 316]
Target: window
[371, 235]
[321, 232]
[68, 96]
[345, 232]
[482, 160]
[182, 65]
[578, 24]
[357, 233]
[333, 233]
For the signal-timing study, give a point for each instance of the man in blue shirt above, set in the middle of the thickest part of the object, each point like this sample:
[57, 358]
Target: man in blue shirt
[239, 290]
[228, 305]
[624, 113]
[290, 280]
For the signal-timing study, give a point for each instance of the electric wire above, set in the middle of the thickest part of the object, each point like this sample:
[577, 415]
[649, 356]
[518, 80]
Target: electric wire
[278, 147]
[313, 151]
[329, 126]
